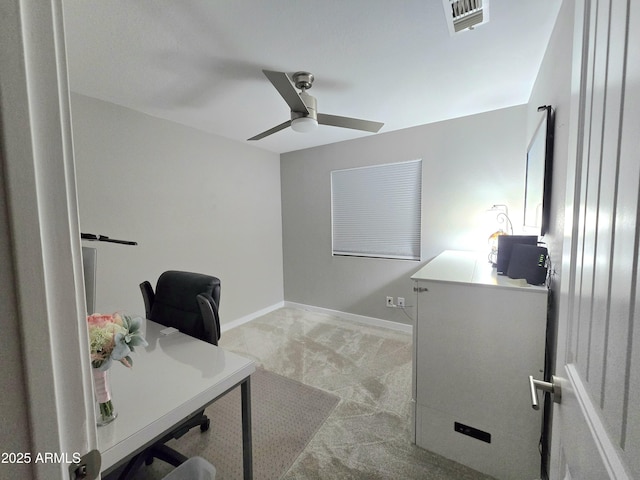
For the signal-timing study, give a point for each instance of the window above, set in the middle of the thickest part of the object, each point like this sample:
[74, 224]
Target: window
[376, 210]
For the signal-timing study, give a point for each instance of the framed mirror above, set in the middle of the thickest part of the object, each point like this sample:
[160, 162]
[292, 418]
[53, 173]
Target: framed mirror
[537, 191]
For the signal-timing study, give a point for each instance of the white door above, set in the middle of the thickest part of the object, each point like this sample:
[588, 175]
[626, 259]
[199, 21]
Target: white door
[596, 428]
[38, 175]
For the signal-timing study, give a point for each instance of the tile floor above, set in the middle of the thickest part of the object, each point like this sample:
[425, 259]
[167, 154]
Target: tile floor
[367, 436]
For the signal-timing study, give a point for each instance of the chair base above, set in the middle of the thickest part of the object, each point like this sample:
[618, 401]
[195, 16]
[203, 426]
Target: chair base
[162, 452]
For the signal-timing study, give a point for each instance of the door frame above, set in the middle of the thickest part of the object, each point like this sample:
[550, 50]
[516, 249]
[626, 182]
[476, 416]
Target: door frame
[39, 177]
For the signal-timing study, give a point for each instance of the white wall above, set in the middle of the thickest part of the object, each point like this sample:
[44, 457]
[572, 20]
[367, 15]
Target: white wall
[553, 87]
[469, 164]
[191, 200]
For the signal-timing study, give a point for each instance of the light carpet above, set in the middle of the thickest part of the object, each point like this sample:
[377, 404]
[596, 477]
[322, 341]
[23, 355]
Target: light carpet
[285, 415]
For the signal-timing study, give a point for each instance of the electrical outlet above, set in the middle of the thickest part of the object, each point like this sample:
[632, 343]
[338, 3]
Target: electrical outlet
[390, 302]
[401, 302]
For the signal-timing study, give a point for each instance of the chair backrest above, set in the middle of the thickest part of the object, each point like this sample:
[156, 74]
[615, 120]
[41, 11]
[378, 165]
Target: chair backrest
[175, 304]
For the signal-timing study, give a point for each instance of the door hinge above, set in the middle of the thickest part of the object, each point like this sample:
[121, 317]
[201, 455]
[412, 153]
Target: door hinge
[87, 468]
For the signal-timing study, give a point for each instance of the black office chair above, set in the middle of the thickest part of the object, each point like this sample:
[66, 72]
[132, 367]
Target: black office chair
[189, 302]
[186, 301]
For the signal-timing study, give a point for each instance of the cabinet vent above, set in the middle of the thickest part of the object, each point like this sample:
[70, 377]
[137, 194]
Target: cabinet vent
[472, 432]
[465, 14]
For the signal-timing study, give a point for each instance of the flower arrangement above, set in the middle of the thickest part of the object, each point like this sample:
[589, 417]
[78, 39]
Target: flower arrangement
[112, 338]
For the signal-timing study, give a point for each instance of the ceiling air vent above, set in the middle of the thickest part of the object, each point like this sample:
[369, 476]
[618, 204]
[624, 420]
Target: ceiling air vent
[465, 14]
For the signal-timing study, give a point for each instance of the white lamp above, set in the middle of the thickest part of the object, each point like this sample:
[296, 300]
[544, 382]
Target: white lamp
[304, 124]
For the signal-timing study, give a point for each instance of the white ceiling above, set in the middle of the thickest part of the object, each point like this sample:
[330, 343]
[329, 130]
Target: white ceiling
[199, 62]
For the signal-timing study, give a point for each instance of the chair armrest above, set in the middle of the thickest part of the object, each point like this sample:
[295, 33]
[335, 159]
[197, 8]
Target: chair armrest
[148, 296]
[209, 311]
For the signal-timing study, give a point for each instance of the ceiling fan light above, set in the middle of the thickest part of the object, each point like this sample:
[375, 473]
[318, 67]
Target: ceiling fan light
[304, 124]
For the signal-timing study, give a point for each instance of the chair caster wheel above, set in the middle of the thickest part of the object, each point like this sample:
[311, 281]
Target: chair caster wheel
[204, 426]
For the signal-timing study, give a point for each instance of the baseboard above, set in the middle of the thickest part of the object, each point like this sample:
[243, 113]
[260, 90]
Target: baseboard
[252, 316]
[362, 319]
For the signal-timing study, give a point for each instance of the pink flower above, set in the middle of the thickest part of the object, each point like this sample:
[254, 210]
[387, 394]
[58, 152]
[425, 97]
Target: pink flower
[117, 319]
[99, 320]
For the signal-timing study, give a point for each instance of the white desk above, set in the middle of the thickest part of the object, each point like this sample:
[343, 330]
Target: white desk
[174, 377]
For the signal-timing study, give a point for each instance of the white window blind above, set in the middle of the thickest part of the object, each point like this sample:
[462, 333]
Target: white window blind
[376, 210]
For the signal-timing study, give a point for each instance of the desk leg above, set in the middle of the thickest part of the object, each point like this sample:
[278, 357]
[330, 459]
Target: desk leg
[247, 454]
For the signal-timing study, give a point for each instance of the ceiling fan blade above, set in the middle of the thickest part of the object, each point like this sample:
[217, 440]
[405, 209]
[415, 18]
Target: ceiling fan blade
[347, 122]
[275, 129]
[287, 90]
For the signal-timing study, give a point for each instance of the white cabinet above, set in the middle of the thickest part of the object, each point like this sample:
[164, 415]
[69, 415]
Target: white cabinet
[477, 338]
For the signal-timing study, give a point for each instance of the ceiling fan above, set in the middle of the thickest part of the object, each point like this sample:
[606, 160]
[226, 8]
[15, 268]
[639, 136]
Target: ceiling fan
[304, 114]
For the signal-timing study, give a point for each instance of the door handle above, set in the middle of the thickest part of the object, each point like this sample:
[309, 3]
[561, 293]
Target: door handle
[552, 387]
